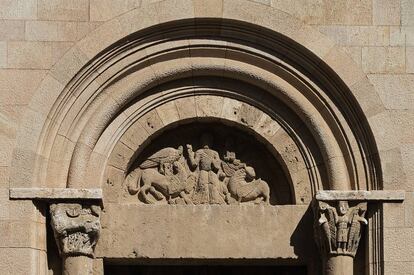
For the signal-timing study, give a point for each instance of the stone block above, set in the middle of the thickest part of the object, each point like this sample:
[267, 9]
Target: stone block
[57, 30]
[404, 122]
[11, 30]
[209, 106]
[407, 153]
[394, 214]
[120, 156]
[212, 8]
[151, 122]
[18, 9]
[398, 268]
[101, 38]
[35, 55]
[174, 10]
[267, 126]
[23, 261]
[351, 12]
[383, 59]
[6, 146]
[188, 231]
[168, 112]
[249, 115]
[4, 176]
[355, 53]
[38, 193]
[395, 91]
[357, 35]
[344, 66]
[3, 54]
[395, 239]
[393, 171]
[17, 86]
[310, 12]
[367, 97]
[103, 10]
[409, 52]
[407, 13]
[21, 233]
[70, 10]
[384, 131]
[386, 12]
[186, 107]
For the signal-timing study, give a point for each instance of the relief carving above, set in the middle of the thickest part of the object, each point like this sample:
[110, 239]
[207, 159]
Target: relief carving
[76, 228]
[338, 229]
[196, 177]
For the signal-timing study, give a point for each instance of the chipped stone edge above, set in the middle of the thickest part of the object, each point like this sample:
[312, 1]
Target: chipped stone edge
[374, 195]
[55, 193]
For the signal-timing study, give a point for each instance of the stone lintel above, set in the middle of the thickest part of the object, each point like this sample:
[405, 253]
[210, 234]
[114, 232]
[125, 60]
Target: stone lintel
[361, 195]
[55, 193]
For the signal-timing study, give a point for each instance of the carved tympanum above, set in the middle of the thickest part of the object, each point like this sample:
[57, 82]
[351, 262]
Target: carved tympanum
[196, 177]
[338, 227]
[76, 228]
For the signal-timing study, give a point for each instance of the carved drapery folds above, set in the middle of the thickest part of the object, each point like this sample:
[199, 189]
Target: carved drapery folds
[76, 228]
[338, 227]
[187, 176]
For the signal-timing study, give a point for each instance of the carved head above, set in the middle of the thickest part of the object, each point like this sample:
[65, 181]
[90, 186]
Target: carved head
[206, 140]
[180, 150]
[76, 227]
[343, 207]
[251, 174]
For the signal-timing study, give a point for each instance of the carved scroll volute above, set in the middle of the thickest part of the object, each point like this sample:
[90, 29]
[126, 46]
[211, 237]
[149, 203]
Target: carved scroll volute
[338, 227]
[76, 228]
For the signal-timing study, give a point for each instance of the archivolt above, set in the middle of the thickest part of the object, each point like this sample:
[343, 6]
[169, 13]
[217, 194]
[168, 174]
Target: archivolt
[310, 103]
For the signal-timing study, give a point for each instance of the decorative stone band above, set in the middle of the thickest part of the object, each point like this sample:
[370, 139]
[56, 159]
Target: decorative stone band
[36, 193]
[338, 226]
[76, 227]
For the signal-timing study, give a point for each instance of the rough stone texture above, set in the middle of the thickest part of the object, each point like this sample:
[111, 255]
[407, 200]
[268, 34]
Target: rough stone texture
[209, 232]
[55, 193]
[361, 195]
[377, 39]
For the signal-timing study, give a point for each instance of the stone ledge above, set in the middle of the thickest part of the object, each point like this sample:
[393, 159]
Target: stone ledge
[55, 193]
[375, 195]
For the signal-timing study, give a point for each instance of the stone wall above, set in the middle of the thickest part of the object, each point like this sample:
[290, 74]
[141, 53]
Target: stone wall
[377, 34]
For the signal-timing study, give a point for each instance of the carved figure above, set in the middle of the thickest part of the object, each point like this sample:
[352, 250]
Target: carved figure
[199, 177]
[338, 229]
[76, 228]
[208, 163]
[244, 187]
[162, 158]
[161, 186]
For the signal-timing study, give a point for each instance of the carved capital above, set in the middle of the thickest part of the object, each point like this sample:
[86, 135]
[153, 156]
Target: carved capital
[338, 226]
[76, 228]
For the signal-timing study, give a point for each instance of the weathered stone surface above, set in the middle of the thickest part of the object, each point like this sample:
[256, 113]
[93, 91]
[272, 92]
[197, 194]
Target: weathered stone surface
[44, 114]
[393, 60]
[205, 232]
[34, 55]
[338, 227]
[71, 10]
[376, 195]
[76, 228]
[107, 9]
[18, 9]
[55, 193]
[386, 12]
[199, 176]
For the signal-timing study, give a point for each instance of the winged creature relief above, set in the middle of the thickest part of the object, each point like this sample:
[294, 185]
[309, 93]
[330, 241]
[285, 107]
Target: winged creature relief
[338, 229]
[172, 176]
